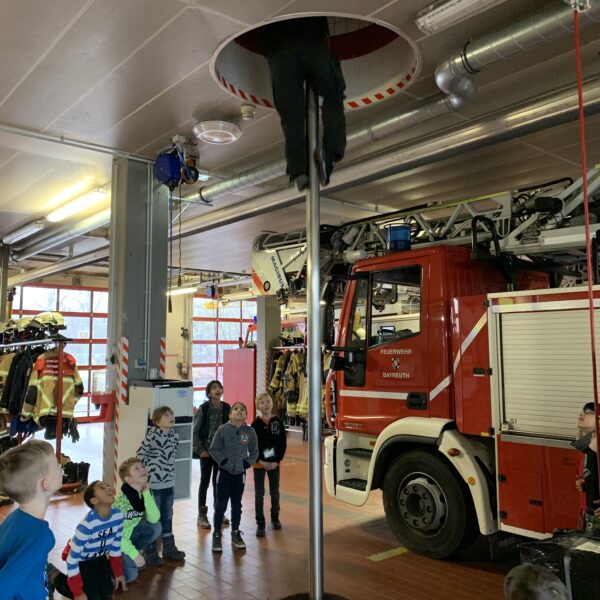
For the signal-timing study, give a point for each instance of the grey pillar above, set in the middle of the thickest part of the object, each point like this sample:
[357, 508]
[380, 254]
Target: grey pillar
[138, 275]
[4, 255]
[268, 328]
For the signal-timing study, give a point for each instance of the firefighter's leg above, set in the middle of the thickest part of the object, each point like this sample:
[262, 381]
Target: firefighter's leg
[326, 76]
[288, 91]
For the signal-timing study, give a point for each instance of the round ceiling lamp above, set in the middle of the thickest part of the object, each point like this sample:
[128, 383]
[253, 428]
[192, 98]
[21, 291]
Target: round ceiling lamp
[217, 132]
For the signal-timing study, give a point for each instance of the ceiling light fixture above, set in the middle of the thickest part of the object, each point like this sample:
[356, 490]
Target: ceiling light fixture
[23, 232]
[445, 13]
[203, 175]
[76, 206]
[217, 132]
[182, 291]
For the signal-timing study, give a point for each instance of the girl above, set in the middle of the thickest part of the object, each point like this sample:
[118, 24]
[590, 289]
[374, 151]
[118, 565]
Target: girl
[208, 418]
[234, 448]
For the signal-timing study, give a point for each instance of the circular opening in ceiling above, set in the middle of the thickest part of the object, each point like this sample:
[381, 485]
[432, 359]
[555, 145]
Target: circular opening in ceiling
[377, 62]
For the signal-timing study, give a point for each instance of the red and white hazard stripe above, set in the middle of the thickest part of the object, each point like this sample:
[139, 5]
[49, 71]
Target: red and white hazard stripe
[121, 395]
[163, 358]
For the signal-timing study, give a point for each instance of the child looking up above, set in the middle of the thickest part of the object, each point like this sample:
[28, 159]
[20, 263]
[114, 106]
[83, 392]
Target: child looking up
[94, 563]
[208, 418]
[141, 527]
[234, 448]
[158, 452]
[270, 433]
[29, 475]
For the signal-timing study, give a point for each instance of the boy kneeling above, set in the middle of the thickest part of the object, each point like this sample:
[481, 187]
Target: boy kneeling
[94, 563]
[141, 527]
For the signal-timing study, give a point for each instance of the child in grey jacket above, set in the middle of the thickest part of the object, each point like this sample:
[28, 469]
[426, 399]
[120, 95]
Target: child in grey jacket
[234, 448]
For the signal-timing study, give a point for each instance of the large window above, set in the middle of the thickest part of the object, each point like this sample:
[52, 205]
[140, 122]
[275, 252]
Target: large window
[217, 327]
[85, 311]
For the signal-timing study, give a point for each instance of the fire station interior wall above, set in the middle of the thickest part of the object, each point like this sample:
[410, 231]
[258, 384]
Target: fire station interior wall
[546, 371]
[178, 347]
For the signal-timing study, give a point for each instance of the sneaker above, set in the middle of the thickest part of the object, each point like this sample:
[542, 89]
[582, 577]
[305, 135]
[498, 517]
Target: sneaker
[301, 182]
[237, 540]
[52, 573]
[260, 531]
[276, 523]
[216, 542]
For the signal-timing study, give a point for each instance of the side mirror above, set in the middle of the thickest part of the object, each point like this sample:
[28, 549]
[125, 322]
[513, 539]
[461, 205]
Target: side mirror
[327, 325]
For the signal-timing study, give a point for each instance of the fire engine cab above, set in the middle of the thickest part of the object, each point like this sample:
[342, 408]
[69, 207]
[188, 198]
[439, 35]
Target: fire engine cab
[454, 396]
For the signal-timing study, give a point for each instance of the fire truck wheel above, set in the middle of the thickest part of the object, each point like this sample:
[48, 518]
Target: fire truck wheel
[426, 506]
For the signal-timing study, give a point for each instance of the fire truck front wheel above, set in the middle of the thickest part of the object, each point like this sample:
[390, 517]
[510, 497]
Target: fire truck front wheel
[426, 505]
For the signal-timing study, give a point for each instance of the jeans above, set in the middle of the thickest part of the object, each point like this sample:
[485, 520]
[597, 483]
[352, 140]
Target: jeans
[259, 494]
[229, 486]
[208, 471]
[143, 535]
[164, 500]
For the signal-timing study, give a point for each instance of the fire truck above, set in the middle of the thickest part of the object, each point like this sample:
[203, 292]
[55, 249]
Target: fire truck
[460, 365]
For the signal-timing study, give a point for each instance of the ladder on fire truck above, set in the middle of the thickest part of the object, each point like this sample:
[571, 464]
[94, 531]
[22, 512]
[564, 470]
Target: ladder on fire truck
[545, 222]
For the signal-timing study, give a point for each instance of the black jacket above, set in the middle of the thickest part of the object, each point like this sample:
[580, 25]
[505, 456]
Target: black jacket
[200, 441]
[270, 436]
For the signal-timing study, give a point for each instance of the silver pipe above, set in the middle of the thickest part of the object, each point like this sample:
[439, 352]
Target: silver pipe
[64, 235]
[4, 256]
[59, 267]
[33, 135]
[313, 297]
[553, 109]
[545, 25]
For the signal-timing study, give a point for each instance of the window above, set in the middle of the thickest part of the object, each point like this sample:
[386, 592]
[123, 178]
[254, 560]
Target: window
[358, 317]
[85, 311]
[395, 305]
[216, 327]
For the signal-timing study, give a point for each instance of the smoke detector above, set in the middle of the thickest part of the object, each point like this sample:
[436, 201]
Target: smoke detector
[248, 111]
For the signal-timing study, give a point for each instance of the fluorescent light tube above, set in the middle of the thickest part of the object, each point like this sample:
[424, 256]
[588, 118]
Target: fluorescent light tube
[23, 232]
[182, 291]
[445, 13]
[76, 206]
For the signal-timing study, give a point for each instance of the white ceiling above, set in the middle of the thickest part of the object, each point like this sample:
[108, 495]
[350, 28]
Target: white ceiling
[130, 75]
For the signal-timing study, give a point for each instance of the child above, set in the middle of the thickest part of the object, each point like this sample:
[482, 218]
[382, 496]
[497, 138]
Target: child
[29, 475]
[158, 452]
[533, 582]
[234, 448]
[208, 418]
[141, 527]
[94, 552]
[270, 433]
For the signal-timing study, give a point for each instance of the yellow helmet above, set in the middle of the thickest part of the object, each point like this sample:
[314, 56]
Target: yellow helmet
[8, 326]
[23, 323]
[50, 319]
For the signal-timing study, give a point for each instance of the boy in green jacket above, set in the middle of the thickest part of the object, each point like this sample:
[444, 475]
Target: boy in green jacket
[141, 526]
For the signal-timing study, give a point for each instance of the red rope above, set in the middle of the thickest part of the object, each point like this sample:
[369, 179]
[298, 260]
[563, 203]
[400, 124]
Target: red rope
[588, 245]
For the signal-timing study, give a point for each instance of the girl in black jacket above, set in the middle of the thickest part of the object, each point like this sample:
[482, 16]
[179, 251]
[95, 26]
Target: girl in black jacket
[208, 418]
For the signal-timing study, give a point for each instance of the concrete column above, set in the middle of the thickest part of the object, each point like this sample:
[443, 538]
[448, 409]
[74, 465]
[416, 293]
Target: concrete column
[268, 328]
[138, 276]
[4, 255]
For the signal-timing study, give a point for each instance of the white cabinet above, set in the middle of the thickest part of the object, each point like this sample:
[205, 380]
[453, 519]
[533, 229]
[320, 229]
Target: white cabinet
[178, 396]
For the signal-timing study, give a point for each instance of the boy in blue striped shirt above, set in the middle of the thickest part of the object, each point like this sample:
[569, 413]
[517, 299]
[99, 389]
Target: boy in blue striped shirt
[94, 562]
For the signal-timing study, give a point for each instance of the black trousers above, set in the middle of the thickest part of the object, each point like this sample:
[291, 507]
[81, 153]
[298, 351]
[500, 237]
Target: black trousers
[97, 580]
[291, 67]
[208, 472]
[229, 487]
[259, 494]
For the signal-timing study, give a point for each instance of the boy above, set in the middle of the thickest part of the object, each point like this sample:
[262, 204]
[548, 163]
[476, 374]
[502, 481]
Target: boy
[234, 448]
[141, 527]
[158, 452]
[94, 552]
[208, 418]
[270, 433]
[29, 475]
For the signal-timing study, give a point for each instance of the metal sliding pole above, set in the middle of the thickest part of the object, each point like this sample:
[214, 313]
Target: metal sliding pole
[314, 357]
[4, 256]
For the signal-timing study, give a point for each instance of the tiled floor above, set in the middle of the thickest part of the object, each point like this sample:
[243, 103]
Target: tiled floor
[276, 566]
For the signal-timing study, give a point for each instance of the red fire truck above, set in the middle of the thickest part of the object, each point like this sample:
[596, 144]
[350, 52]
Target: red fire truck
[454, 396]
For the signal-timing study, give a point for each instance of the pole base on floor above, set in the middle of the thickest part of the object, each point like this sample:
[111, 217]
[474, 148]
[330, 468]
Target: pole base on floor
[307, 597]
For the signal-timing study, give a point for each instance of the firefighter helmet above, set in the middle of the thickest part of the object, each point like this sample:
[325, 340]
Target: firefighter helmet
[8, 326]
[50, 319]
